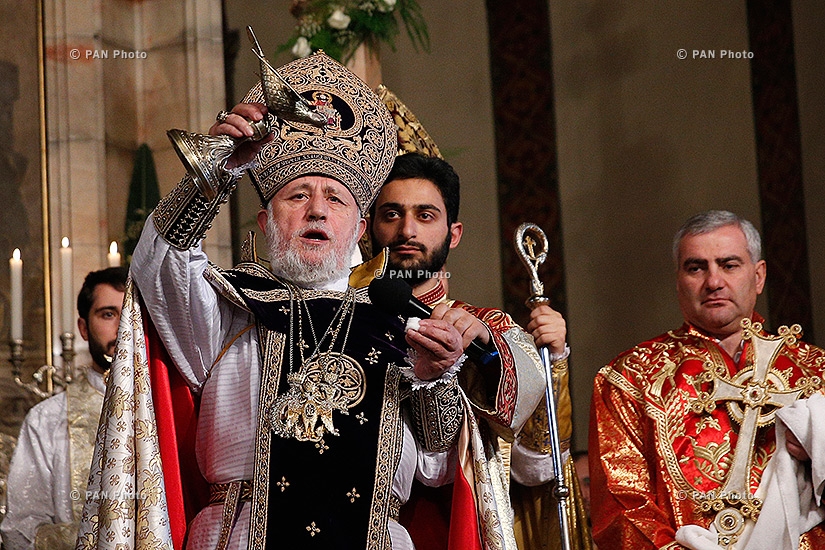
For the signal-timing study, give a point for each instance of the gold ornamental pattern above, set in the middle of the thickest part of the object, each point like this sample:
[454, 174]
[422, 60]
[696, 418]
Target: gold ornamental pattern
[327, 383]
[701, 408]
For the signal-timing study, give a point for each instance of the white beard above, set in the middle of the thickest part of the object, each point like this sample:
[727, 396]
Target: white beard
[286, 262]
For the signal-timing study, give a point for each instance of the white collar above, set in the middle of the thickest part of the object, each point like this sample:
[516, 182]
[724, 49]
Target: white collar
[95, 380]
[339, 285]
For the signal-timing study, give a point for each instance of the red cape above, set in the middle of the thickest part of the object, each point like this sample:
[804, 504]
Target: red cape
[176, 412]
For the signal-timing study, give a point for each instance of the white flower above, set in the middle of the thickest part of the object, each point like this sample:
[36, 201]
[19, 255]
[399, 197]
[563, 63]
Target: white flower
[338, 20]
[386, 5]
[301, 47]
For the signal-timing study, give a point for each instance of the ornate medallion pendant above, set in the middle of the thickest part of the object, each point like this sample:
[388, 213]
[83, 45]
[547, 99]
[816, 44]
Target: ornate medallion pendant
[329, 382]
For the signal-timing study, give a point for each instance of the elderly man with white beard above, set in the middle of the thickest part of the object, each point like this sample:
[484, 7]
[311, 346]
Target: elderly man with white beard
[316, 410]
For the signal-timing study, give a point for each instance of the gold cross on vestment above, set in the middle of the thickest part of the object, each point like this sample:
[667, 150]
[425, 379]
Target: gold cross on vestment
[313, 529]
[753, 396]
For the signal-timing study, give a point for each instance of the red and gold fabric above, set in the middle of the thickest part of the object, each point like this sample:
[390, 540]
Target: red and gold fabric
[506, 396]
[451, 518]
[659, 444]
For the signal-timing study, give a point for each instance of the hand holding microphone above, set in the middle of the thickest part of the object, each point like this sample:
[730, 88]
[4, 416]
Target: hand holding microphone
[394, 296]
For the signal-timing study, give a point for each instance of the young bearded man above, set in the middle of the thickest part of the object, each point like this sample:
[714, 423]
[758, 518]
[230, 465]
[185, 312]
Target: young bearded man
[416, 218]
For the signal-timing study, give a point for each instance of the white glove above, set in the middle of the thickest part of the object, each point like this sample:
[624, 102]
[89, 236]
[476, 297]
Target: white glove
[698, 538]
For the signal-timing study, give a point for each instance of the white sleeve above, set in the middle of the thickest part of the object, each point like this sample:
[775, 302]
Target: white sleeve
[430, 468]
[436, 468]
[185, 308]
[532, 468]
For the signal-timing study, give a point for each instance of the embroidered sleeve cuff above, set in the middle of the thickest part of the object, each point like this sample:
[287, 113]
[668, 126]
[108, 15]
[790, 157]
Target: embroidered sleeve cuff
[560, 356]
[408, 372]
[183, 216]
[437, 414]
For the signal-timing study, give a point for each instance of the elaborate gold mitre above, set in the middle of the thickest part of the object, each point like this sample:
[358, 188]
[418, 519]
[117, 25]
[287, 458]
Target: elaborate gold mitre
[412, 137]
[357, 146]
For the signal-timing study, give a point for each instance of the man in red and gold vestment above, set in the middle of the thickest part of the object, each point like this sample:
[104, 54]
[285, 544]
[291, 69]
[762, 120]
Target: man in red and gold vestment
[681, 430]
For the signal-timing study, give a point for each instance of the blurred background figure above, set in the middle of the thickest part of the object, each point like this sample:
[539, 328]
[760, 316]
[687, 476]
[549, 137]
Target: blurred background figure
[46, 487]
[583, 473]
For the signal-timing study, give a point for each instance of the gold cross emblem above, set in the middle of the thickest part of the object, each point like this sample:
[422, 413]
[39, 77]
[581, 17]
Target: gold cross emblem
[283, 484]
[313, 530]
[529, 243]
[352, 495]
[753, 395]
[372, 357]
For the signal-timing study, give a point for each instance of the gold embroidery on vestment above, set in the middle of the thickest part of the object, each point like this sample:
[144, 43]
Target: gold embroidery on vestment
[372, 356]
[712, 460]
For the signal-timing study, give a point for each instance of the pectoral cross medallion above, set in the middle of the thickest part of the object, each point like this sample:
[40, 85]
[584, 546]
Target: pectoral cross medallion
[326, 383]
[753, 395]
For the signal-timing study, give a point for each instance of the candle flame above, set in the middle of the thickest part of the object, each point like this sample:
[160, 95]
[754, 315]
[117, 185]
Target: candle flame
[16, 254]
[65, 242]
[113, 248]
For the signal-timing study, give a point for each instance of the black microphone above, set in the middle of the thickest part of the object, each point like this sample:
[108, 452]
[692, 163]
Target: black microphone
[395, 297]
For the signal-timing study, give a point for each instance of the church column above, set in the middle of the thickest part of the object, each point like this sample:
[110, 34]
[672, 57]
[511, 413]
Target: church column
[119, 74]
[779, 163]
[75, 141]
[179, 83]
[525, 140]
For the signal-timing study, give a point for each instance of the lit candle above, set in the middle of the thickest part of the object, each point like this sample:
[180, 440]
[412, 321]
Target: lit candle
[68, 292]
[114, 255]
[16, 266]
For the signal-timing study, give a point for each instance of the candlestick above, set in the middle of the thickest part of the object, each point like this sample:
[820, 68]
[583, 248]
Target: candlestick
[114, 256]
[68, 291]
[67, 338]
[16, 267]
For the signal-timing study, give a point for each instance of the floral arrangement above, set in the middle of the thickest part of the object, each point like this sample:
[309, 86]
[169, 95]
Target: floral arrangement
[339, 26]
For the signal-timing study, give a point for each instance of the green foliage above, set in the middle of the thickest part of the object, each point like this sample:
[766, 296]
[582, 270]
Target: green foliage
[373, 22]
[144, 195]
